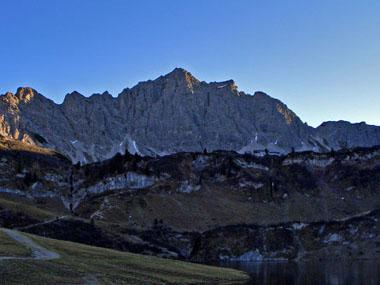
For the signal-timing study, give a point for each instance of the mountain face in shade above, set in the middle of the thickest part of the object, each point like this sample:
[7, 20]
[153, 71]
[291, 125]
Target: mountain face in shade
[170, 114]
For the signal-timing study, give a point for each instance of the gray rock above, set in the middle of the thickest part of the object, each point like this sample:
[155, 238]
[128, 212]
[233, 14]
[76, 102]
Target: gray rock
[343, 134]
[172, 113]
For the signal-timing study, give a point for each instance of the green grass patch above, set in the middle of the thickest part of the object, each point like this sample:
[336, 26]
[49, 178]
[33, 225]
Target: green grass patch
[81, 263]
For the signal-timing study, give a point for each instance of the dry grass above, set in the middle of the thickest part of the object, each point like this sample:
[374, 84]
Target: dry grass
[15, 145]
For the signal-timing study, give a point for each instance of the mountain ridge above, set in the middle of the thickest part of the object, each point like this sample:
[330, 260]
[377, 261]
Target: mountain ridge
[172, 113]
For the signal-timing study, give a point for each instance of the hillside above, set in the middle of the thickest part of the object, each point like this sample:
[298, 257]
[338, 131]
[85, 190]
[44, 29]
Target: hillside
[187, 204]
[81, 264]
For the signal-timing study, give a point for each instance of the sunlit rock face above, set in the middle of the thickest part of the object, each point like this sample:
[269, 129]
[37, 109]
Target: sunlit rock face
[172, 113]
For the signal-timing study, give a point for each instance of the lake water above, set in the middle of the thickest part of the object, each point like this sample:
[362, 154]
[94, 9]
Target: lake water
[366, 272]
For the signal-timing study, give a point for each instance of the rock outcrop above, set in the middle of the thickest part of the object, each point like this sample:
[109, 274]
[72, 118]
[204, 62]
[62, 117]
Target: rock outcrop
[219, 206]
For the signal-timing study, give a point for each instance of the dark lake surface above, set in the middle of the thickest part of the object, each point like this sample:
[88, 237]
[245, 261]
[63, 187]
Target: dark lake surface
[366, 272]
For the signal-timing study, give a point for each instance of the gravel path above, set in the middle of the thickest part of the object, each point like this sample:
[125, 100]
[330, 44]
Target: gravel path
[38, 252]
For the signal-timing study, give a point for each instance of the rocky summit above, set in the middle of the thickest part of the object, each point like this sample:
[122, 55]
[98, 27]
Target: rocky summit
[170, 114]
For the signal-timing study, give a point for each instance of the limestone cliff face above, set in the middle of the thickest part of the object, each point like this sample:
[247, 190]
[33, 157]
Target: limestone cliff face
[172, 113]
[177, 112]
[343, 134]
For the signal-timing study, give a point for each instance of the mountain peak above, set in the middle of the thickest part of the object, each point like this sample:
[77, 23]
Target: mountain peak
[8, 94]
[73, 97]
[74, 94]
[181, 74]
[260, 94]
[179, 79]
[25, 93]
[179, 71]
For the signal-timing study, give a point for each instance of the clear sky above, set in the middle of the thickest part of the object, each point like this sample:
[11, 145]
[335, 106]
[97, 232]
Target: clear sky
[321, 58]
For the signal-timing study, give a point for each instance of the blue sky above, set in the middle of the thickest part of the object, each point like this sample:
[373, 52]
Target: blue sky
[321, 58]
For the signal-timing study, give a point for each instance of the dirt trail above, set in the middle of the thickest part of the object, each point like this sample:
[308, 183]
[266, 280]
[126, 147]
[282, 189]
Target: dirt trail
[43, 223]
[38, 252]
